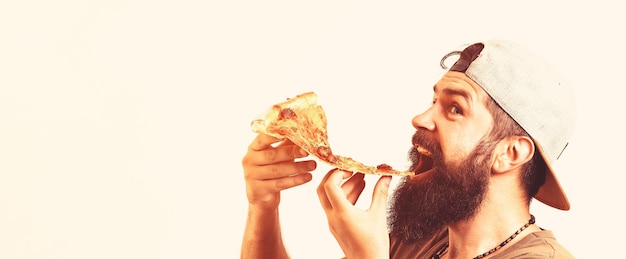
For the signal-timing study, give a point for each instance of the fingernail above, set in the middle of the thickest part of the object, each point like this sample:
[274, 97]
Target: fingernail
[311, 165]
[303, 152]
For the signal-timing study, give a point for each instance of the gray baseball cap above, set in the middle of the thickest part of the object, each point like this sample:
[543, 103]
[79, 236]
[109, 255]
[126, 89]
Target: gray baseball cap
[533, 93]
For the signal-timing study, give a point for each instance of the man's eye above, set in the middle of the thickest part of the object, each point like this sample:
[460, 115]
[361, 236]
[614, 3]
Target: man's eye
[455, 110]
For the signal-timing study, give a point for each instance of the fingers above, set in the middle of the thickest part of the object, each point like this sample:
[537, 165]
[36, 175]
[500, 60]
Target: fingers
[277, 185]
[334, 195]
[330, 193]
[353, 187]
[264, 161]
[269, 168]
[321, 191]
[286, 142]
[263, 141]
[381, 194]
[261, 151]
[284, 169]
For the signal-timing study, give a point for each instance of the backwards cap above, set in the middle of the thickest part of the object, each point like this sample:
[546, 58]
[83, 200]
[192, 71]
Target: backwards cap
[533, 93]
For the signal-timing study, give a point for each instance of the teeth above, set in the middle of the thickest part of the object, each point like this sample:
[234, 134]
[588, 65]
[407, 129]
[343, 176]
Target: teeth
[423, 151]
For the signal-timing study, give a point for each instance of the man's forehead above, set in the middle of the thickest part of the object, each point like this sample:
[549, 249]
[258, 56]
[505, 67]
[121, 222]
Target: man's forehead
[458, 83]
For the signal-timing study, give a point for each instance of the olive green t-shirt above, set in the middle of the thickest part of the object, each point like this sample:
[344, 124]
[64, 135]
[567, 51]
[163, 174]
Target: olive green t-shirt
[540, 244]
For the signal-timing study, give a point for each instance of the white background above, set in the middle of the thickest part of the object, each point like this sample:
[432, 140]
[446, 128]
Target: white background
[123, 123]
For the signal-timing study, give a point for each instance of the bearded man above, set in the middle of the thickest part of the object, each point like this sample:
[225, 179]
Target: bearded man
[500, 118]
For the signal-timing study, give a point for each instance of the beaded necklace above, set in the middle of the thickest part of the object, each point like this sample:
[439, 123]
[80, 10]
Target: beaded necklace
[445, 247]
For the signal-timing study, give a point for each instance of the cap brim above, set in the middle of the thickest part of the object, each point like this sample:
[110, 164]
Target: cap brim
[551, 193]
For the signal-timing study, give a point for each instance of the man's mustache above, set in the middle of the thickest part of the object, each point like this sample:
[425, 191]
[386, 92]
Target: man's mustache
[422, 139]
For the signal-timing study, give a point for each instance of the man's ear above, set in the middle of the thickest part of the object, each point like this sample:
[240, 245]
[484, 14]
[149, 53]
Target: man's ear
[511, 153]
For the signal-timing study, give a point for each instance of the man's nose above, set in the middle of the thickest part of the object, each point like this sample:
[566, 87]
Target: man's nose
[424, 120]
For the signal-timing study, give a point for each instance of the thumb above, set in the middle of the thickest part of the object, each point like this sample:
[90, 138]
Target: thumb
[381, 194]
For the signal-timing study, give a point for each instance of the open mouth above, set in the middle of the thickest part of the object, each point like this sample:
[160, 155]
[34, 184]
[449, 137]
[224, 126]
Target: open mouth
[423, 151]
[424, 160]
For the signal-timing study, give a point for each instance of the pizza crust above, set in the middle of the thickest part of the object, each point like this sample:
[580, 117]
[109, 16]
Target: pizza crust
[303, 121]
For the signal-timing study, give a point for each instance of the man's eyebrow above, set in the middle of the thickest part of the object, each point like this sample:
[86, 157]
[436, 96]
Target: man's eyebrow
[453, 91]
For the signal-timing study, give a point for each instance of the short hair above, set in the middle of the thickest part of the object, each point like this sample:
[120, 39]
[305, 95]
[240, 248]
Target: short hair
[533, 172]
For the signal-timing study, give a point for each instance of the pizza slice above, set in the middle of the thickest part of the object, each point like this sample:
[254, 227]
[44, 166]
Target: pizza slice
[303, 121]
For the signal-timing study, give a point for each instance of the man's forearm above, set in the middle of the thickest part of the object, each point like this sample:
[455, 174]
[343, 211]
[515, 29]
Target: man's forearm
[262, 237]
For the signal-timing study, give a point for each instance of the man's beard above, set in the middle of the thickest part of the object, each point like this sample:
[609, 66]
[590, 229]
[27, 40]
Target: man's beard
[453, 192]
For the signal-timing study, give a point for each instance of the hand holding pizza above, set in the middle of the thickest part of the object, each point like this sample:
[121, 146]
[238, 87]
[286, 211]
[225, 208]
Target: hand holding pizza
[269, 169]
[361, 234]
[303, 121]
[299, 124]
